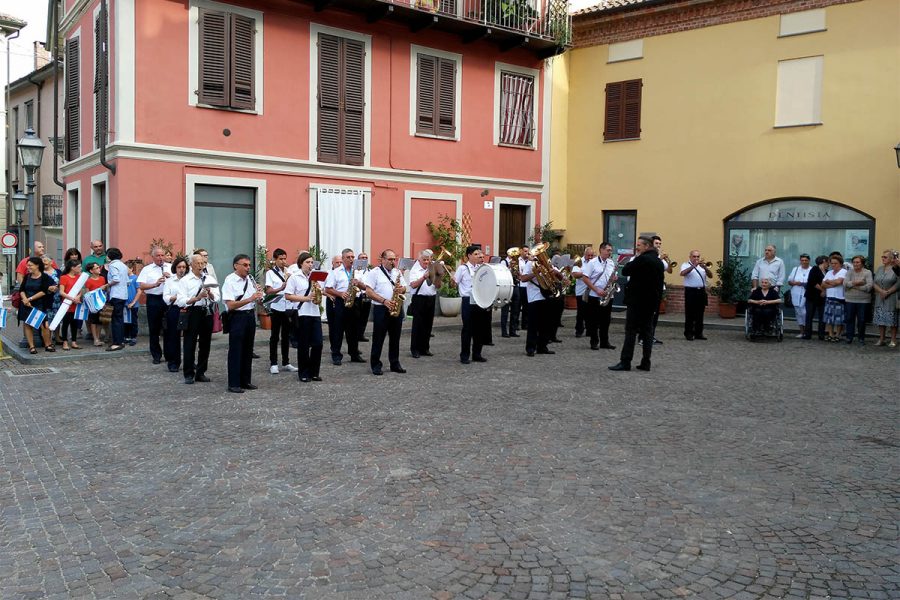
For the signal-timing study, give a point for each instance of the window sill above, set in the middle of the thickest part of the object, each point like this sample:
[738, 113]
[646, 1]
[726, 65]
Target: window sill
[621, 140]
[436, 137]
[517, 146]
[245, 111]
[797, 125]
[787, 35]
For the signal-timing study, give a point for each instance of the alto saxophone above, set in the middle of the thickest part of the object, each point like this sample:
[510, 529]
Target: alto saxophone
[352, 291]
[612, 288]
[397, 298]
[316, 292]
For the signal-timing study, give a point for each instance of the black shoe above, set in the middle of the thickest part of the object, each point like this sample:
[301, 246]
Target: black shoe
[201, 379]
[189, 380]
[593, 347]
[514, 335]
[620, 367]
[235, 390]
[546, 351]
[427, 353]
[556, 341]
[255, 355]
[398, 369]
[506, 335]
[465, 361]
[578, 335]
[173, 369]
[699, 337]
[479, 359]
[363, 339]
[249, 386]
[656, 341]
[529, 353]
[488, 344]
[316, 378]
[376, 372]
[644, 366]
[304, 379]
[157, 361]
[356, 359]
[689, 338]
[336, 363]
[607, 346]
[414, 354]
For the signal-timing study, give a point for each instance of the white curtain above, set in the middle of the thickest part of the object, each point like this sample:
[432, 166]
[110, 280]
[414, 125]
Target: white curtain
[517, 98]
[340, 217]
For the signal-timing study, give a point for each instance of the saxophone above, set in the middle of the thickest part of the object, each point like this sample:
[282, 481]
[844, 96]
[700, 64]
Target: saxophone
[397, 298]
[352, 291]
[612, 288]
[316, 292]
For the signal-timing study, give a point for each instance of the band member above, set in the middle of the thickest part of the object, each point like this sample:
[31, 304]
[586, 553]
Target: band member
[556, 306]
[363, 303]
[198, 299]
[342, 320]
[580, 289]
[696, 275]
[240, 294]
[475, 320]
[422, 304]
[538, 331]
[645, 280]
[151, 281]
[522, 289]
[171, 335]
[509, 313]
[381, 284]
[667, 268]
[598, 275]
[302, 289]
[276, 280]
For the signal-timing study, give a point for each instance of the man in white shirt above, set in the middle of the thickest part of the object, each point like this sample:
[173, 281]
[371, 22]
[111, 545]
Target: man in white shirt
[195, 297]
[538, 333]
[597, 276]
[342, 321]
[421, 306]
[151, 281]
[363, 303]
[240, 294]
[381, 284]
[475, 320]
[768, 267]
[276, 281]
[580, 287]
[696, 276]
[522, 290]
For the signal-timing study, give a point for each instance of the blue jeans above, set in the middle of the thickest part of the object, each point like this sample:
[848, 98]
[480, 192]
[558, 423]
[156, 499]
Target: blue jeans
[855, 319]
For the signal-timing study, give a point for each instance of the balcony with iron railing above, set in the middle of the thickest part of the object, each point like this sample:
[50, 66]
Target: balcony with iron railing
[51, 211]
[541, 26]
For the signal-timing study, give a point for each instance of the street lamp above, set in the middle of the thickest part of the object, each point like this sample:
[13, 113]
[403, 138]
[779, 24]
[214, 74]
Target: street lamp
[897, 150]
[31, 152]
[19, 201]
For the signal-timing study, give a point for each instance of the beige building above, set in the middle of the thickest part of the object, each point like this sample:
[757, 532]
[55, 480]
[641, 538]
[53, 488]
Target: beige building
[728, 125]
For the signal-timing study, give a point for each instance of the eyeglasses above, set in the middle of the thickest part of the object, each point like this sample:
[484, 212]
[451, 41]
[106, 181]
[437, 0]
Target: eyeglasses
[245, 265]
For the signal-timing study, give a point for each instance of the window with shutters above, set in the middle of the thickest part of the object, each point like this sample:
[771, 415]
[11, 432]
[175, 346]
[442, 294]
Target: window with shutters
[73, 99]
[341, 100]
[435, 100]
[515, 107]
[226, 57]
[623, 110]
[101, 110]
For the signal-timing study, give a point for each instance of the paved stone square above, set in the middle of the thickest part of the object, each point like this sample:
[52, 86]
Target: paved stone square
[732, 470]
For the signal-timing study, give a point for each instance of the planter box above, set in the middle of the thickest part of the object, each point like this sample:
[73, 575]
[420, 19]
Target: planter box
[450, 307]
[727, 310]
[569, 302]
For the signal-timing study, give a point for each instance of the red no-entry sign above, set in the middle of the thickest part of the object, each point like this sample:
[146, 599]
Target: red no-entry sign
[9, 240]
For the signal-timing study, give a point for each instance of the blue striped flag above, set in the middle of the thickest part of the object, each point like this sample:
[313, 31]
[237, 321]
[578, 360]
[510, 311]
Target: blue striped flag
[4, 314]
[95, 300]
[126, 315]
[81, 312]
[35, 318]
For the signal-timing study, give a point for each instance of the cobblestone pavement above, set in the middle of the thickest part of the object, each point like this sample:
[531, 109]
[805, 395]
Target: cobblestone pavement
[732, 470]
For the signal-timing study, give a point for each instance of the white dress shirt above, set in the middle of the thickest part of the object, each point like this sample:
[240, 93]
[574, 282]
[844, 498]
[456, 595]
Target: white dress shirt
[380, 284]
[464, 277]
[150, 273]
[339, 279]
[171, 288]
[279, 304]
[190, 286]
[696, 277]
[522, 263]
[531, 287]
[233, 289]
[599, 271]
[426, 289]
[298, 285]
[577, 271]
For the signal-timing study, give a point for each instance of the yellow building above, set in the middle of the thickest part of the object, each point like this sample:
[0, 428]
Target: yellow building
[759, 122]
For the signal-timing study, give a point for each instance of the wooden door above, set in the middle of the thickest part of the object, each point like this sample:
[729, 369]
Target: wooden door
[513, 227]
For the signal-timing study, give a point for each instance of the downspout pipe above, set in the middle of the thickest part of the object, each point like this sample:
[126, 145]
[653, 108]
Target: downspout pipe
[104, 86]
[9, 126]
[55, 58]
[37, 121]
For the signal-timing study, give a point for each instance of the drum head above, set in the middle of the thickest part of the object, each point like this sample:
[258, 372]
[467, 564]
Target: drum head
[492, 286]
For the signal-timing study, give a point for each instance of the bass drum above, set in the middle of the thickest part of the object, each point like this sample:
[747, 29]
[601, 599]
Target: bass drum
[493, 286]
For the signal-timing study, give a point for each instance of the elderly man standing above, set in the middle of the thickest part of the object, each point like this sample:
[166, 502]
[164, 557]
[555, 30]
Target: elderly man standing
[342, 321]
[768, 267]
[97, 255]
[197, 299]
[422, 305]
[151, 281]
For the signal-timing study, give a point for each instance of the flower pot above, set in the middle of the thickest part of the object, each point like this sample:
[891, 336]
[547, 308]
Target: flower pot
[662, 306]
[727, 310]
[570, 302]
[450, 307]
[265, 321]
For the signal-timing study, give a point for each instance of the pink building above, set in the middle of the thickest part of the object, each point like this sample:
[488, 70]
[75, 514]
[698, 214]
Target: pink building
[288, 123]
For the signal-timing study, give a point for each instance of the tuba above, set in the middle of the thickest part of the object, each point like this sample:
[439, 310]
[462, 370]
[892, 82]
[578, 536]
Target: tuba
[543, 271]
[512, 256]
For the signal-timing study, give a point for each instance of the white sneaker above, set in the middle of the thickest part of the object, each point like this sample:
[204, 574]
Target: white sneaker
[273, 369]
[290, 368]
[799, 336]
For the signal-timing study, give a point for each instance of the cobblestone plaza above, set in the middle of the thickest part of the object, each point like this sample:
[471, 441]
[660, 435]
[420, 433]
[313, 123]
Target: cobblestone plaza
[731, 470]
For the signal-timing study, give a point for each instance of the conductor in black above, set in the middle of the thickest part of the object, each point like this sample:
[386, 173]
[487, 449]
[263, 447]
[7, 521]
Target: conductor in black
[645, 281]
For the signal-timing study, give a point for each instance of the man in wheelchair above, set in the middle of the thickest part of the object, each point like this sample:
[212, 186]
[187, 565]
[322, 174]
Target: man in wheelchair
[764, 307]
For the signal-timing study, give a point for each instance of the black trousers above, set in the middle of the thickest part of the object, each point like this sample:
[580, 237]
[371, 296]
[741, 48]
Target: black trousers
[280, 335]
[509, 314]
[523, 304]
[240, 347]
[538, 336]
[815, 308]
[580, 315]
[342, 323]
[638, 322]
[69, 324]
[131, 329]
[198, 333]
[384, 325]
[172, 337]
[556, 307]
[309, 350]
[156, 310]
[597, 320]
[695, 301]
[475, 328]
[422, 309]
[364, 308]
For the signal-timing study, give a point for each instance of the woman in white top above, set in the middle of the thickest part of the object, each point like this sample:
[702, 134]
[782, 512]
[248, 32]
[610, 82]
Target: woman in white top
[300, 288]
[797, 280]
[171, 335]
[834, 299]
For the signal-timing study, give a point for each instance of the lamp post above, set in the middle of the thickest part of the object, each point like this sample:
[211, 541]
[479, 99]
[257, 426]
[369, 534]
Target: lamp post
[31, 153]
[19, 201]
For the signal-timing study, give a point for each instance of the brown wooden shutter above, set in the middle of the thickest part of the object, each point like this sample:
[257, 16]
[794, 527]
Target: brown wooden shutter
[631, 119]
[425, 94]
[243, 32]
[446, 98]
[101, 112]
[73, 98]
[329, 101]
[354, 102]
[613, 121]
[623, 110]
[213, 72]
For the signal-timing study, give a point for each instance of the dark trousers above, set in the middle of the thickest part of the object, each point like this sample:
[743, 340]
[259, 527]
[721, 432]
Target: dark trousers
[598, 318]
[538, 335]
[556, 307]
[364, 307]
[422, 309]
[342, 324]
[855, 319]
[117, 322]
[198, 333]
[156, 310]
[638, 322]
[69, 324]
[475, 323]
[309, 350]
[172, 337]
[131, 329]
[694, 304]
[280, 334]
[580, 315]
[240, 347]
[523, 304]
[814, 309]
[509, 314]
[384, 325]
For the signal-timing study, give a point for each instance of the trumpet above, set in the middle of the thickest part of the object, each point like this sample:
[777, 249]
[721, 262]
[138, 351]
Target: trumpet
[673, 264]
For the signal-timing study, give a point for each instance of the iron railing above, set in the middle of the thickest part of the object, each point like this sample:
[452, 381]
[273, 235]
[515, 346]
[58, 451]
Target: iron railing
[51, 211]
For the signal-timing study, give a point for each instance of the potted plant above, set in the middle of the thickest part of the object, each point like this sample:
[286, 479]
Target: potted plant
[262, 265]
[733, 286]
[446, 233]
[448, 299]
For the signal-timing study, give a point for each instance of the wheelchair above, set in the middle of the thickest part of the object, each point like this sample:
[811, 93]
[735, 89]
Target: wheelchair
[774, 330]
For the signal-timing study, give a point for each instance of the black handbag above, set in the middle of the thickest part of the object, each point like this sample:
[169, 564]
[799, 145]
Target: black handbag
[183, 317]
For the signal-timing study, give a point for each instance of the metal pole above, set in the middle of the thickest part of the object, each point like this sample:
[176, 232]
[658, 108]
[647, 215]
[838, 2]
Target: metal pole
[30, 185]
